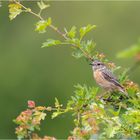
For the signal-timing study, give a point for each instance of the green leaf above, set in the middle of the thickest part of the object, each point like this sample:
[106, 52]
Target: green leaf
[42, 5]
[43, 115]
[77, 54]
[51, 42]
[14, 10]
[111, 131]
[86, 29]
[57, 103]
[123, 76]
[130, 52]
[88, 46]
[55, 114]
[83, 97]
[72, 32]
[42, 25]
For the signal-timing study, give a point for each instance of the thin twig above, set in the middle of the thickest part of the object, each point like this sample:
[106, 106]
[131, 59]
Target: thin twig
[58, 31]
[29, 10]
[55, 109]
[78, 118]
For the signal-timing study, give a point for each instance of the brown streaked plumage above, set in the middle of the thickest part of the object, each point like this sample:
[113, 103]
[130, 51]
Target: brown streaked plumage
[105, 78]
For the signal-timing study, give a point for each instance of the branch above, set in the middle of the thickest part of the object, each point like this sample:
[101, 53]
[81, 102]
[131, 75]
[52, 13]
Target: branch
[86, 54]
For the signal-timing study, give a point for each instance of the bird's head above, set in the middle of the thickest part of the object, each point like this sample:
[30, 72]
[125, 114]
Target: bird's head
[97, 65]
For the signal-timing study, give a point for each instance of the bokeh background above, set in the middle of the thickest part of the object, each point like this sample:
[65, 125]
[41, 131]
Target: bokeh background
[28, 72]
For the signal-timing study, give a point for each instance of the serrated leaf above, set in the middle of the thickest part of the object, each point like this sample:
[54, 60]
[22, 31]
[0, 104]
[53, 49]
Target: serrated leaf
[51, 42]
[77, 54]
[88, 45]
[42, 5]
[72, 32]
[111, 131]
[86, 29]
[130, 52]
[42, 25]
[14, 10]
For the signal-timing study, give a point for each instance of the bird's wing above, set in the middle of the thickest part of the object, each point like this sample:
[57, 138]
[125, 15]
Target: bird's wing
[108, 75]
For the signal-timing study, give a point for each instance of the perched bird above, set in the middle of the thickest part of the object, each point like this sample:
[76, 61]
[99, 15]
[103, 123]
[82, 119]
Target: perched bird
[105, 78]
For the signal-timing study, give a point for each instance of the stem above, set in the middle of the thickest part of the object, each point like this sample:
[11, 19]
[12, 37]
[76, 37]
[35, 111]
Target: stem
[40, 12]
[29, 10]
[55, 29]
[58, 31]
[78, 118]
[29, 135]
[55, 109]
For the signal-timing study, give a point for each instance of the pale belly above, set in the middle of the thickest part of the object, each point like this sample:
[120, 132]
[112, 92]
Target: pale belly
[101, 80]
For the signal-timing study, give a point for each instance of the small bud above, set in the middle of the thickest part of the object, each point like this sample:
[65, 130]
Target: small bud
[101, 55]
[111, 65]
[31, 104]
[49, 108]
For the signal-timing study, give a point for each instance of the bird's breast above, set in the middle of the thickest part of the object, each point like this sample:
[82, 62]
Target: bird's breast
[99, 78]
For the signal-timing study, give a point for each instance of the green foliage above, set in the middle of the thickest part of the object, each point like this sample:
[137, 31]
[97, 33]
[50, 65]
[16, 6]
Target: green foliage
[72, 32]
[42, 5]
[58, 109]
[112, 116]
[77, 53]
[94, 112]
[14, 10]
[123, 76]
[79, 102]
[51, 42]
[83, 97]
[131, 119]
[88, 45]
[42, 25]
[81, 48]
[84, 30]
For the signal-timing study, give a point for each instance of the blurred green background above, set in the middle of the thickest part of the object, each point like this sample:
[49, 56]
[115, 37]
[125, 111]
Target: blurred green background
[28, 72]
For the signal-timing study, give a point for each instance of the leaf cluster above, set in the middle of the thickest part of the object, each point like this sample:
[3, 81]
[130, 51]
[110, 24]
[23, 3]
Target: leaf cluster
[74, 39]
[109, 117]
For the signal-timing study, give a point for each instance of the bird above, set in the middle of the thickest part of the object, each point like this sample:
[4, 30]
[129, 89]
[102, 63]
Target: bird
[105, 78]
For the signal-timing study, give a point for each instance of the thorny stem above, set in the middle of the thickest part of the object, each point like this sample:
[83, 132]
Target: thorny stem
[55, 29]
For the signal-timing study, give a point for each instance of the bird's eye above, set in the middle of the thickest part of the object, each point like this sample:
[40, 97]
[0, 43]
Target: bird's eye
[98, 64]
